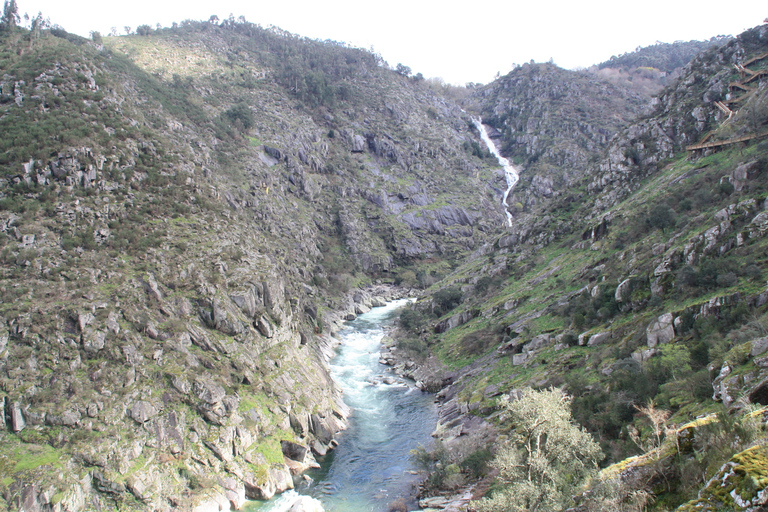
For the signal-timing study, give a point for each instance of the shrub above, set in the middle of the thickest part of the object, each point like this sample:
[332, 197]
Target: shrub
[476, 463]
[436, 463]
[412, 319]
[240, 116]
[446, 299]
[661, 217]
[477, 342]
[414, 346]
[407, 278]
[727, 280]
[483, 284]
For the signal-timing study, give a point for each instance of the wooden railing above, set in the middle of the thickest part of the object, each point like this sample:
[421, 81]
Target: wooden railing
[719, 143]
[748, 75]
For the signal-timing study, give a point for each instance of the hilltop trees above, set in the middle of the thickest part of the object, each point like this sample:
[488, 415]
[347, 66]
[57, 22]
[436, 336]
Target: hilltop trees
[10, 14]
[144, 30]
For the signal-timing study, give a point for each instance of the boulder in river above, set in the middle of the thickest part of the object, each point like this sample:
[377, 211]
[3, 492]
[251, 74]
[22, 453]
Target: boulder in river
[306, 504]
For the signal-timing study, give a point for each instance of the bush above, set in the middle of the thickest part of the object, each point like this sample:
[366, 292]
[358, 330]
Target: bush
[483, 284]
[412, 319]
[413, 346]
[727, 280]
[661, 216]
[547, 458]
[476, 463]
[406, 278]
[570, 338]
[477, 342]
[240, 116]
[446, 299]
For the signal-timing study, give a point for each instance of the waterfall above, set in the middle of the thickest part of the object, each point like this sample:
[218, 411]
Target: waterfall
[510, 173]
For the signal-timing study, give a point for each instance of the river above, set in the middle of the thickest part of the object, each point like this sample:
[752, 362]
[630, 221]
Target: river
[370, 468]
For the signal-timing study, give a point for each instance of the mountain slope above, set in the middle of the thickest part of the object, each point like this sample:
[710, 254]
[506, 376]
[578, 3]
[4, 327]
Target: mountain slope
[183, 214]
[651, 287]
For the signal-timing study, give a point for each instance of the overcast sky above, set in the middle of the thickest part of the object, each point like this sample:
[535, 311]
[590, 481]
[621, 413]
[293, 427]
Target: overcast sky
[468, 42]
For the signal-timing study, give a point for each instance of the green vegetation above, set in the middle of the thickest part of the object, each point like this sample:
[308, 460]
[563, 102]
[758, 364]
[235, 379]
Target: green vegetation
[688, 244]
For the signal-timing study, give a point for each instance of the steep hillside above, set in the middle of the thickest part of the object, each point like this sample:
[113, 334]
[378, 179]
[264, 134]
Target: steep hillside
[700, 107]
[665, 57]
[183, 214]
[187, 214]
[640, 289]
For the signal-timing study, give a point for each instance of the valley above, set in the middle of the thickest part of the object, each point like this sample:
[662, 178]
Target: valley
[189, 217]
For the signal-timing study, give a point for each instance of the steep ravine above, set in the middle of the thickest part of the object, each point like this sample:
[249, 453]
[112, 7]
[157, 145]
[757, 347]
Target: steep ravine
[159, 363]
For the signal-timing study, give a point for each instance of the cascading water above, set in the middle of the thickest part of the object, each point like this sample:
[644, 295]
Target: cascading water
[370, 468]
[510, 173]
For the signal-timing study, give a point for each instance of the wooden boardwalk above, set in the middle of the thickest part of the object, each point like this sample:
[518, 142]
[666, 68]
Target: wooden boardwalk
[719, 143]
[755, 59]
[748, 75]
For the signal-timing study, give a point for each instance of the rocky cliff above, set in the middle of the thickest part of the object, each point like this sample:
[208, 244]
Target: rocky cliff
[552, 122]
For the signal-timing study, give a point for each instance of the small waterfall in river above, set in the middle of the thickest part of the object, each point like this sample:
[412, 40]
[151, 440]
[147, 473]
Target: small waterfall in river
[390, 416]
[510, 173]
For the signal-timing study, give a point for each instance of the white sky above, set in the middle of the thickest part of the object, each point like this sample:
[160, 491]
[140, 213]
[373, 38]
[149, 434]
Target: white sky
[465, 42]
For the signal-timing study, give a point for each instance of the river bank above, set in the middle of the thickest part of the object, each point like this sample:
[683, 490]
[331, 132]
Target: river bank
[368, 468]
[460, 430]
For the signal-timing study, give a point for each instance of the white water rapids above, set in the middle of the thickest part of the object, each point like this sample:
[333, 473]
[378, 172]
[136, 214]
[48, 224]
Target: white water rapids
[510, 173]
[371, 468]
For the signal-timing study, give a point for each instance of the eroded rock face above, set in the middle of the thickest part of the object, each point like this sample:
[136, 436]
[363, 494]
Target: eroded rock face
[15, 415]
[599, 338]
[725, 386]
[294, 451]
[358, 144]
[188, 306]
[207, 390]
[142, 411]
[278, 479]
[736, 475]
[758, 346]
[660, 331]
[455, 321]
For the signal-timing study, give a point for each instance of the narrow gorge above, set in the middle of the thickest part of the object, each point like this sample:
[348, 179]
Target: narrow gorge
[371, 468]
